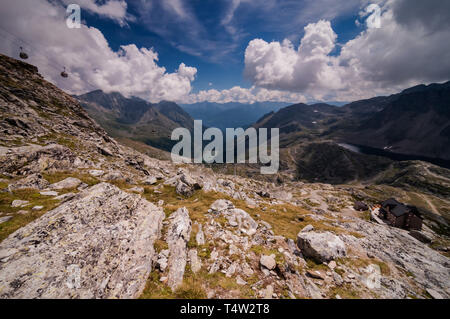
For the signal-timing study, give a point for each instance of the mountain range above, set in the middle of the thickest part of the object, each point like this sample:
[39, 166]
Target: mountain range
[77, 204]
[136, 119]
[413, 122]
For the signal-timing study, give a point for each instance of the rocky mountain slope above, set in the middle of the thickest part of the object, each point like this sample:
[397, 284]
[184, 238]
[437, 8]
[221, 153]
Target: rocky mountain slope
[135, 119]
[82, 216]
[414, 122]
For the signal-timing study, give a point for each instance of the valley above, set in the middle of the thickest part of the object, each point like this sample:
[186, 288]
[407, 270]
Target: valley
[133, 224]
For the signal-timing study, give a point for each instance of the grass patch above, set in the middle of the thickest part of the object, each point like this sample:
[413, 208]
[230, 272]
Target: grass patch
[190, 288]
[19, 220]
[365, 215]
[316, 266]
[364, 262]
[154, 289]
[54, 177]
[197, 205]
[261, 250]
[345, 292]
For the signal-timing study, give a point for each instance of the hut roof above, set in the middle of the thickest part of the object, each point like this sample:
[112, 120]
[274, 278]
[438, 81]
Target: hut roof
[397, 208]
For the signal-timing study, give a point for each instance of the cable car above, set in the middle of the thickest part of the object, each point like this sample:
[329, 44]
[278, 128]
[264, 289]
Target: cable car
[64, 73]
[22, 54]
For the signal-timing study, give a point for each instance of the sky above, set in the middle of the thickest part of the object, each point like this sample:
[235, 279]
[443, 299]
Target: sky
[245, 51]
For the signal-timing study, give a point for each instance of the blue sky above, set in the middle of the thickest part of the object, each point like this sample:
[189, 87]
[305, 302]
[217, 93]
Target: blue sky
[244, 51]
[221, 63]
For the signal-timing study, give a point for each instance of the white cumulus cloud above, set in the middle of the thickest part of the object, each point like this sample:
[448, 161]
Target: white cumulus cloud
[244, 95]
[404, 51]
[40, 28]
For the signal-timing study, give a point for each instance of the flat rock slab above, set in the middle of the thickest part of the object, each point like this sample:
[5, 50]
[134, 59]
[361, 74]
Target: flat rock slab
[97, 245]
[177, 237]
[70, 182]
[34, 181]
[4, 219]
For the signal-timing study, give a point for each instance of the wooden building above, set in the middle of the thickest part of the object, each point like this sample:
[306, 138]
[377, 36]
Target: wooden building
[400, 215]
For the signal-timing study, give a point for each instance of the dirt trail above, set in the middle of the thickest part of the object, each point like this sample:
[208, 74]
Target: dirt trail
[429, 203]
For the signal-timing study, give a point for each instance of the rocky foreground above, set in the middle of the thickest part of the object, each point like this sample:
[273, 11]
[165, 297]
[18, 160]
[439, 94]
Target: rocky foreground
[82, 216]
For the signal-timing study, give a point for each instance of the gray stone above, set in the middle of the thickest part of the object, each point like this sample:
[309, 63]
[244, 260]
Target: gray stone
[200, 236]
[434, 294]
[98, 245]
[36, 208]
[49, 193]
[196, 264]
[65, 197]
[184, 189]
[322, 247]
[111, 176]
[4, 219]
[221, 205]
[215, 266]
[307, 228]
[96, 172]
[82, 186]
[137, 189]
[268, 292]
[34, 181]
[188, 180]
[150, 180]
[161, 262]
[332, 264]
[317, 274]
[268, 262]
[231, 270]
[247, 270]
[243, 220]
[337, 279]
[240, 281]
[177, 237]
[19, 203]
[70, 182]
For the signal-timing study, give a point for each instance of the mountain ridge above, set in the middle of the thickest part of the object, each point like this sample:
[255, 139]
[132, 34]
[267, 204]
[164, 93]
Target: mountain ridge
[74, 201]
[136, 119]
[415, 121]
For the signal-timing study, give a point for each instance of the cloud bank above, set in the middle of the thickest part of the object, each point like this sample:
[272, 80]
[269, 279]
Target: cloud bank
[406, 50]
[410, 47]
[85, 53]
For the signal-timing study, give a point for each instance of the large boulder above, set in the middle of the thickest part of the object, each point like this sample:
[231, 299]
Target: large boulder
[188, 180]
[242, 220]
[177, 237]
[186, 185]
[183, 189]
[236, 217]
[221, 205]
[35, 158]
[97, 245]
[321, 247]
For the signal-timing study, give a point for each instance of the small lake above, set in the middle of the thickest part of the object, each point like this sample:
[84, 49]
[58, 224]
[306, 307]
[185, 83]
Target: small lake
[394, 156]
